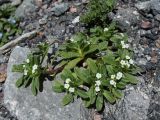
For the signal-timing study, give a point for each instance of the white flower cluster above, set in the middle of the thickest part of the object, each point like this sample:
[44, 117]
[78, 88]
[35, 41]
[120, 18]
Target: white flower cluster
[34, 68]
[98, 82]
[128, 62]
[25, 71]
[67, 85]
[72, 40]
[124, 45]
[118, 76]
[106, 29]
[27, 61]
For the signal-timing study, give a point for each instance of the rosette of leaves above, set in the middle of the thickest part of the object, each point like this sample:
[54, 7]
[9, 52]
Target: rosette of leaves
[97, 11]
[80, 47]
[33, 70]
[101, 81]
[8, 24]
[104, 75]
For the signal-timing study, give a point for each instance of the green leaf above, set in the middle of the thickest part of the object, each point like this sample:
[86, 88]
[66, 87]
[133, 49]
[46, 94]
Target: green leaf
[68, 98]
[109, 96]
[73, 63]
[92, 49]
[117, 93]
[68, 55]
[132, 79]
[33, 88]
[82, 74]
[109, 58]
[92, 65]
[121, 85]
[102, 45]
[110, 69]
[37, 83]
[86, 103]
[58, 87]
[19, 82]
[99, 103]
[17, 68]
[82, 93]
[92, 95]
[66, 73]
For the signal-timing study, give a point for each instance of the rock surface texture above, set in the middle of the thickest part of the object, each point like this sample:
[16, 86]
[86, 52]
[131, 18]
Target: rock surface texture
[45, 106]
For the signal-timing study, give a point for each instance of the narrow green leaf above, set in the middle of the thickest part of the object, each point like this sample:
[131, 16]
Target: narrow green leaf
[19, 82]
[82, 74]
[37, 83]
[58, 87]
[117, 93]
[73, 63]
[87, 103]
[132, 79]
[33, 88]
[109, 96]
[92, 65]
[82, 93]
[99, 103]
[68, 55]
[17, 68]
[109, 58]
[92, 95]
[121, 85]
[68, 98]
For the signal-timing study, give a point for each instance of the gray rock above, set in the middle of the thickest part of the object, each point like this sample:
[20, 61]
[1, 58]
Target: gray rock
[76, 20]
[16, 2]
[155, 6]
[134, 105]
[59, 9]
[45, 106]
[157, 17]
[126, 18]
[25, 7]
[143, 6]
[42, 21]
[3, 59]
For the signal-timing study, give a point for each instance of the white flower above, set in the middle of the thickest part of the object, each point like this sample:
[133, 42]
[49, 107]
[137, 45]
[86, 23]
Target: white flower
[123, 62]
[72, 40]
[33, 71]
[119, 75]
[24, 66]
[106, 29]
[97, 89]
[127, 57]
[98, 82]
[122, 34]
[126, 45]
[25, 72]
[88, 43]
[81, 86]
[68, 80]
[27, 61]
[122, 42]
[98, 75]
[131, 61]
[66, 86]
[71, 90]
[113, 76]
[127, 64]
[35, 67]
[112, 82]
